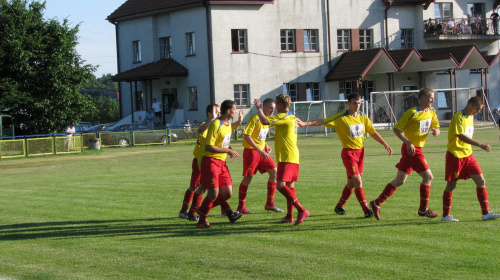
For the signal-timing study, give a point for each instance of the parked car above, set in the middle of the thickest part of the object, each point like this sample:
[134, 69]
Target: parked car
[122, 135]
[79, 128]
[98, 128]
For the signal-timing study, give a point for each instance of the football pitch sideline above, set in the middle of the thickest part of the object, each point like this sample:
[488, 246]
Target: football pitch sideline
[112, 214]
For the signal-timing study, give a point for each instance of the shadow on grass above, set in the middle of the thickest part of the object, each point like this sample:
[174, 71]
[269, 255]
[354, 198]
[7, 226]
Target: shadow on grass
[175, 227]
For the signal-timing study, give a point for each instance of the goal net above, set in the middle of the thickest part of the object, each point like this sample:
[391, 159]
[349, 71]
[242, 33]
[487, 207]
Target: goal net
[388, 106]
[313, 110]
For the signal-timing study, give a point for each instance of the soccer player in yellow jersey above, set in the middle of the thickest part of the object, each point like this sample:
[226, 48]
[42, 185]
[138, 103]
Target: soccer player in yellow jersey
[256, 157]
[287, 154]
[412, 129]
[213, 111]
[215, 176]
[351, 127]
[461, 164]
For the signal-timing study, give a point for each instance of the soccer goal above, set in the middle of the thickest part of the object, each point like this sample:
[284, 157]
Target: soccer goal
[312, 110]
[388, 106]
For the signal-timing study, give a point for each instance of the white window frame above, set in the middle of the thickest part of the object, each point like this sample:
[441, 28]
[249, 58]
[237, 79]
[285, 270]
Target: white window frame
[165, 47]
[312, 92]
[407, 38]
[287, 40]
[443, 10]
[365, 39]
[239, 42]
[242, 95]
[311, 39]
[344, 39]
[190, 44]
[291, 90]
[136, 45]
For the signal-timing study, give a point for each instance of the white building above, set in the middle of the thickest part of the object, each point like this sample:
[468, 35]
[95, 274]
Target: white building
[189, 53]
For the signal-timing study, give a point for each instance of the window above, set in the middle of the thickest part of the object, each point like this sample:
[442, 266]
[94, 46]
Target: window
[165, 47]
[311, 40]
[344, 39]
[242, 95]
[442, 10]
[137, 50]
[193, 98]
[312, 91]
[347, 87]
[239, 40]
[406, 38]
[291, 90]
[190, 43]
[287, 40]
[444, 99]
[365, 39]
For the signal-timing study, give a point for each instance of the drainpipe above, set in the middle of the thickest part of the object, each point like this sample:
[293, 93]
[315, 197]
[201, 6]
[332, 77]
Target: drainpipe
[386, 27]
[117, 36]
[328, 34]
[210, 53]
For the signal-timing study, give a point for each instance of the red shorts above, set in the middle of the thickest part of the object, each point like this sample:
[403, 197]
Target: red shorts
[409, 163]
[287, 172]
[460, 168]
[195, 174]
[353, 160]
[214, 173]
[252, 161]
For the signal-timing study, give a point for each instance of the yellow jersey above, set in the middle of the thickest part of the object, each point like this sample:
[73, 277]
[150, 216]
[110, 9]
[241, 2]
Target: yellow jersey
[416, 124]
[460, 124]
[201, 136]
[219, 135]
[285, 137]
[351, 130]
[257, 131]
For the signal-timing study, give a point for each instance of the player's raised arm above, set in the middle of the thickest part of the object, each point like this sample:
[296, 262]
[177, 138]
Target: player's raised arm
[262, 116]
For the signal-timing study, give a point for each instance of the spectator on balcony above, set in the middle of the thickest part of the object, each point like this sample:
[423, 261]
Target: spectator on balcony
[494, 17]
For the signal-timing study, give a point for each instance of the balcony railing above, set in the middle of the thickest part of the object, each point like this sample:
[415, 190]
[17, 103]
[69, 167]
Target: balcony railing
[461, 28]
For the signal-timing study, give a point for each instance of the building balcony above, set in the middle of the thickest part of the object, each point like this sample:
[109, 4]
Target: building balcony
[461, 29]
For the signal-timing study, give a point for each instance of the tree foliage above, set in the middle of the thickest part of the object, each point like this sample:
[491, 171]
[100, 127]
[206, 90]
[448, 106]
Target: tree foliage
[40, 70]
[104, 110]
[103, 82]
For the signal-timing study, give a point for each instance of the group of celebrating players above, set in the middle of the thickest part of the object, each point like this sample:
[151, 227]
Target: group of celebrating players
[211, 175]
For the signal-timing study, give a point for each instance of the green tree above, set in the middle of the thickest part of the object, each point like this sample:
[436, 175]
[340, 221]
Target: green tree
[104, 110]
[40, 70]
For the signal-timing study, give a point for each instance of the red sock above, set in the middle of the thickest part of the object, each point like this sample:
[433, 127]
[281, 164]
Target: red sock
[242, 196]
[360, 194]
[187, 200]
[271, 190]
[218, 201]
[204, 209]
[224, 206]
[447, 197]
[346, 194]
[386, 193]
[482, 196]
[296, 202]
[425, 192]
[288, 194]
[197, 198]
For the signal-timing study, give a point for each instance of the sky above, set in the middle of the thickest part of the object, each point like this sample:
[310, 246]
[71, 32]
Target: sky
[96, 43]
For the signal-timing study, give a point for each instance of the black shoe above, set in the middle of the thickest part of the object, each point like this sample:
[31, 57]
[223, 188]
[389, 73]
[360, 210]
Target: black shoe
[193, 218]
[234, 216]
[340, 210]
[368, 213]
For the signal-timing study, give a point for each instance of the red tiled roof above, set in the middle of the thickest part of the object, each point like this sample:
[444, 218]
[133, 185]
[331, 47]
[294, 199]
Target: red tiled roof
[459, 54]
[140, 8]
[491, 59]
[155, 70]
[357, 64]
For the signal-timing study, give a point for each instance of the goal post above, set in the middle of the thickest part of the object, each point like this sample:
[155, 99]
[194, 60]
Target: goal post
[447, 101]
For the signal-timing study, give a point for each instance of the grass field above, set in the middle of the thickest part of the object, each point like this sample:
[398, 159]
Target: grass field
[112, 214]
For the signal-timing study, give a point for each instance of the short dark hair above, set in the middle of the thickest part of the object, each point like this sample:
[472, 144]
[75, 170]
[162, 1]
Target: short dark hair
[353, 96]
[210, 108]
[226, 105]
[475, 101]
[268, 101]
